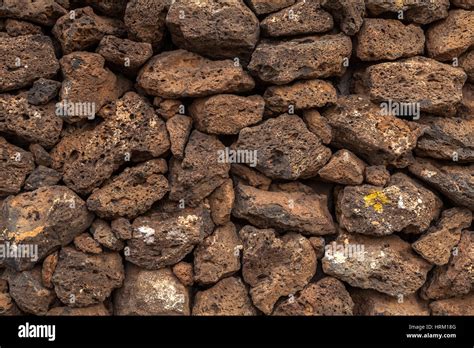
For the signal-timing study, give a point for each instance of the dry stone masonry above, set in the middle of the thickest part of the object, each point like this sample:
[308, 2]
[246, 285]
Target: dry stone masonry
[236, 157]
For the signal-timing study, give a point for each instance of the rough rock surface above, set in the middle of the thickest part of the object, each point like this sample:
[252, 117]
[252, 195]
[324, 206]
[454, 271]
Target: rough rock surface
[41, 176]
[44, 12]
[179, 127]
[102, 233]
[43, 91]
[221, 202]
[386, 264]
[94, 311]
[462, 305]
[14, 160]
[267, 6]
[348, 13]
[184, 272]
[275, 266]
[377, 175]
[344, 168]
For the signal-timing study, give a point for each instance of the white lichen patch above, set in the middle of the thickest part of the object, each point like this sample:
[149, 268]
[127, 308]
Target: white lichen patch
[148, 234]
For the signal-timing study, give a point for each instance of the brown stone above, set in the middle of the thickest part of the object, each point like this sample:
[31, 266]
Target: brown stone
[463, 305]
[466, 109]
[440, 95]
[83, 29]
[302, 18]
[388, 39]
[15, 165]
[164, 238]
[344, 168]
[300, 95]
[371, 302]
[465, 4]
[386, 264]
[122, 228]
[326, 297]
[247, 176]
[437, 244]
[281, 62]
[145, 20]
[87, 82]
[179, 127]
[290, 211]
[217, 29]
[115, 8]
[267, 6]
[466, 61]
[93, 311]
[218, 256]
[49, 266]
[40, 155]
[447, 138]
[403, 205]
[275, 266]
[455, 278]
[184, 272]
[28, 291]
[81, 280]
[85, 243]
[318, 125]
[349, 14]
[168, 108]
[17, 28]
[146, 292]
[102, 233]
[48, 217]
[200, 172]
[178, 74]
[43, 91]
[451, 37]
[221, 202]
[124, 55]
[361, 127]
[377, 175]
[318, 245]
[8, 306]
[40, 177]
[131, 131]
[454, 182]
[226, 113]
[132, 192]
[22, 60]
[284, 148]
[43, 12]
[229, 297]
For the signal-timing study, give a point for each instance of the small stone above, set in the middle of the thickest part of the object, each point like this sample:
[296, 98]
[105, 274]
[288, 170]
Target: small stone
[344, 168]
[145, 20]
[163, 239]
[132, 192]
[146, 292]
[218, 256]
[463, 305]
[18, 28]
[40, 155]
[389, 39]
[114, 8]
[466, 61]
[221, 202]
[290, 211]
[81, 280]
[404, 205]
[40, 177]
[122, 228]
[200, 172]
[371, 302]
[93, 311]
[281, 62]
[303, 18]
[301, 95]
[28, 291]
[226, 113]
[275, 266]
[31, 123]
[48, 217]
[85, 243]
[440, 95]
[179, 127]
[451, 37]
[318, 125]
[386, 264]
[84, 29]
[377, 175]
[318, 245]
[268, 6]
[49, 266]
[22, 61]
[349, 14]
[466, 109]
[184, 272]
[229, 297]
[361, 127]
[247, 176]
[15, 165]
[124, 55]
[465, 4]
[179, 74]
[437, 244]
[8, 306]
[284, 147]
[102, 233]
[213, 28]
[454, 182]
[168, 108]
[44, 12]
[455, 278]
[326, 297]
[43, 91]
